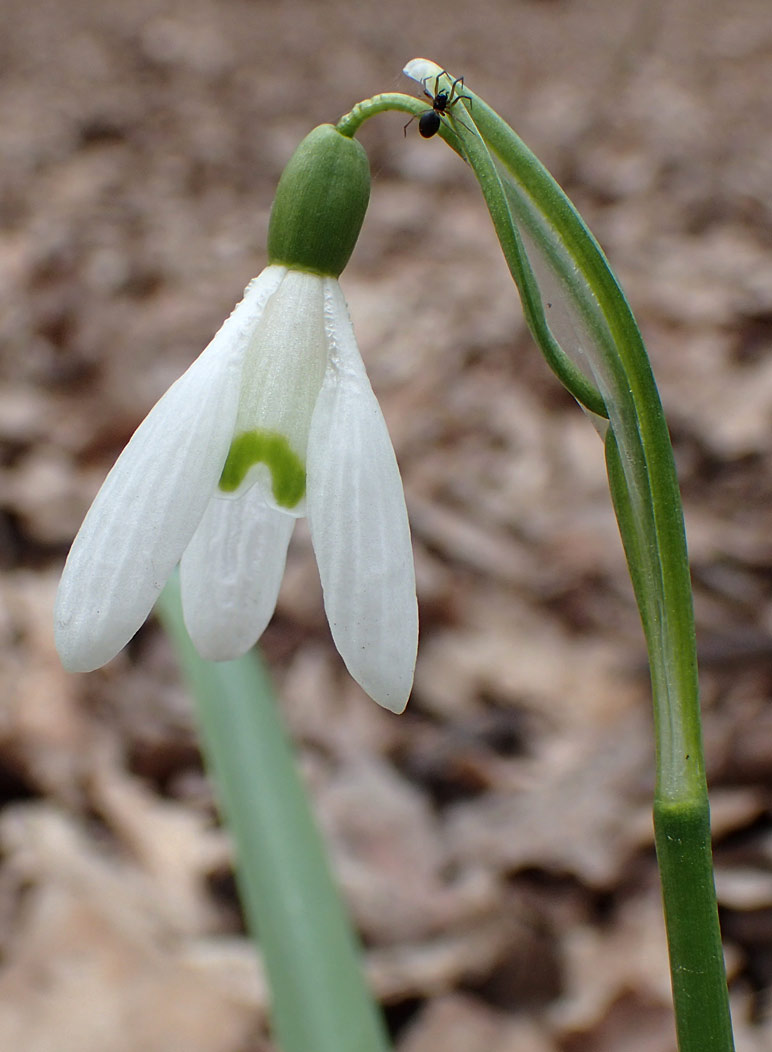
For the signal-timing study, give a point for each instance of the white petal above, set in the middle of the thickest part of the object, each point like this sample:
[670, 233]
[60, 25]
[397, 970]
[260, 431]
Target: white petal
[231, 573]
[359, 526]
[154, 497]
[283, 372]
[422, 70]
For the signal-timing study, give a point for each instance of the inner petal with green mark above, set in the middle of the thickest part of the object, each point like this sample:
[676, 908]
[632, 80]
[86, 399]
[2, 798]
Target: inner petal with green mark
[288, 472]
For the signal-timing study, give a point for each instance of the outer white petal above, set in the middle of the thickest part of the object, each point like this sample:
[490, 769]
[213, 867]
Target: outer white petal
[422, 70]
[359, 526]
[231, 573]
[154, 497]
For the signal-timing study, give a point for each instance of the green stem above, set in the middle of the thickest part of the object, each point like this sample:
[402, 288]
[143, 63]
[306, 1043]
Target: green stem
[350, 123]
[320, 1001]
[682, 833]
[646, 498]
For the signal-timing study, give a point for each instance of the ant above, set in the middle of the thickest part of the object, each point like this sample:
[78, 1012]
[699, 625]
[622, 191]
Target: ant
[442, 101]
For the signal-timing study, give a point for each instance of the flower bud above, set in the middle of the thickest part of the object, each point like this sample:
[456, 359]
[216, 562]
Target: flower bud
[320, 203]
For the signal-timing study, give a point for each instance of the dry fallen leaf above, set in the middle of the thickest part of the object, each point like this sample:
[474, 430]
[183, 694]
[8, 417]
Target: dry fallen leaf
[95, 960]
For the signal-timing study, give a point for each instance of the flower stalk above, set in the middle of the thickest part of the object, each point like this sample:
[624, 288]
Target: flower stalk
[350, 123]
[601, 359]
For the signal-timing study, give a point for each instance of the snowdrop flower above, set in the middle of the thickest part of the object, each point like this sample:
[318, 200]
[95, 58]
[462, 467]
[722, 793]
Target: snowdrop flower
[276, 419]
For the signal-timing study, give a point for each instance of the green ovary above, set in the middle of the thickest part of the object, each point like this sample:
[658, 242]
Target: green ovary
[288, 473]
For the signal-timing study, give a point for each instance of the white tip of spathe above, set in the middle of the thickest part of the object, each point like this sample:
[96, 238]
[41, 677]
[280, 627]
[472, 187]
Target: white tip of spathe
[422, 69]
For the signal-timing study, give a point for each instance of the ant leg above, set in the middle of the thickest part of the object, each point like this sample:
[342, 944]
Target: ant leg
[404, 130]
[463, 124]
[442, 73]
[449, 114]
[456, 93]
[427, 93]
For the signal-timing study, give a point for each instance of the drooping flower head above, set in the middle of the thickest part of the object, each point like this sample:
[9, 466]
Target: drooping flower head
[274, 420]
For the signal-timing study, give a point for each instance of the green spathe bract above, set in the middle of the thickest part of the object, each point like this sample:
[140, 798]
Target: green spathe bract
[320, 203]
[288, 475]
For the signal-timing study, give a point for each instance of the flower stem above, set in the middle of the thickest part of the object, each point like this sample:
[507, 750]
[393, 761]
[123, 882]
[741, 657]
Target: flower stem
[681, 822]
[682, 833]
[350, 123]
[539, 227]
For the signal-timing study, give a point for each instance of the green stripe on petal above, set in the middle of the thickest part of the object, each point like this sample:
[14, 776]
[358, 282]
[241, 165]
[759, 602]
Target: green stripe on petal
[288, 473]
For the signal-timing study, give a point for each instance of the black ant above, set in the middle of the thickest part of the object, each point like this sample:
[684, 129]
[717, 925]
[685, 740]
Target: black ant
[442, 101]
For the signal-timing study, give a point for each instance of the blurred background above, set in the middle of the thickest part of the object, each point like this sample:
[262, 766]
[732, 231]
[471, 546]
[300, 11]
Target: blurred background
[494, 843]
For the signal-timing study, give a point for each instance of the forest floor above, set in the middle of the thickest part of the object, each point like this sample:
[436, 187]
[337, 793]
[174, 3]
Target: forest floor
[494, 843]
